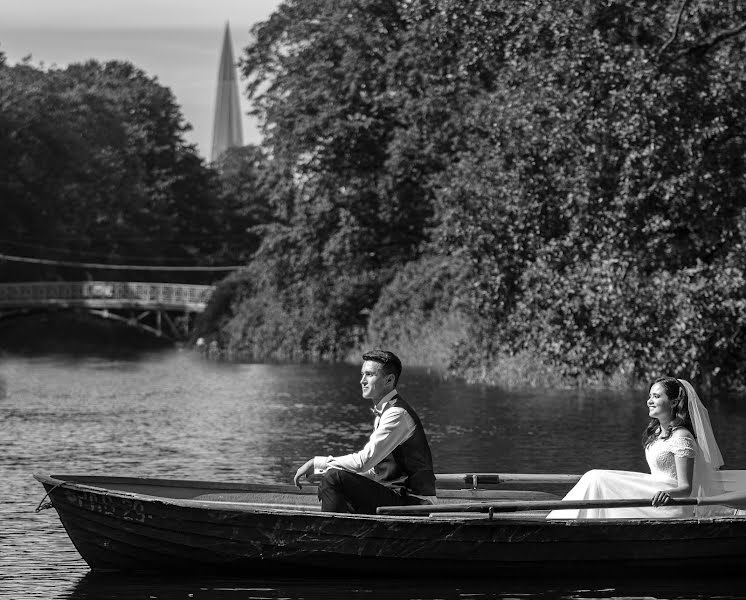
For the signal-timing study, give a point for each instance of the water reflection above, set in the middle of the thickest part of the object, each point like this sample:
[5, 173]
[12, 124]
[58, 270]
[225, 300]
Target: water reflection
[326, 588]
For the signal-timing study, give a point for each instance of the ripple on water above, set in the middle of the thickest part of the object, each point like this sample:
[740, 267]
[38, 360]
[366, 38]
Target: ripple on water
[176, 417]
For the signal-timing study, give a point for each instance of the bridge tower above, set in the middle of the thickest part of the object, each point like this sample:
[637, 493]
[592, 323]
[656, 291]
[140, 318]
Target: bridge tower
[227, 131]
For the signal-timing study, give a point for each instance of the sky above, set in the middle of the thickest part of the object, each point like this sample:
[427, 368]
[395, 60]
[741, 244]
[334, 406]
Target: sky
[176, 41]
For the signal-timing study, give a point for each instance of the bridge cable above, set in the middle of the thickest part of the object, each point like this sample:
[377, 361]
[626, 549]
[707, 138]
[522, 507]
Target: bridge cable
[66, 263]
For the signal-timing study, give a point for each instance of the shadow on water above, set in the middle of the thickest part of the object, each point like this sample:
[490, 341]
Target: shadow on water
[121, 587]
[75, 335]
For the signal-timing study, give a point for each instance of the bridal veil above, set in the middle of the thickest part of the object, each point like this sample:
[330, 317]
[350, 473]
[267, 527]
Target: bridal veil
[708, 461]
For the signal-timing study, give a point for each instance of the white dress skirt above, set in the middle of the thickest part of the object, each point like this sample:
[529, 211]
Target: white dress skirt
[604, 485]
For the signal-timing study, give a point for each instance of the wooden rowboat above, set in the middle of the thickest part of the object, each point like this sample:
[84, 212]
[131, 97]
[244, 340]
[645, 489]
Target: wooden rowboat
[136, 524]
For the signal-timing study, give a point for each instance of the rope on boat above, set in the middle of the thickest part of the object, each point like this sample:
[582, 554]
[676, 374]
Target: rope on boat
[44, 505]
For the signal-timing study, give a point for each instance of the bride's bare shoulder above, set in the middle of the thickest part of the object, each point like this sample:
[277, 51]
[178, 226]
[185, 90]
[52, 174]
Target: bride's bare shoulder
[682, 432]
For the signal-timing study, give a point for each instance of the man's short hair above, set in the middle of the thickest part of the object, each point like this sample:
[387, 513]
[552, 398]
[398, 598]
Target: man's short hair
[389, 360]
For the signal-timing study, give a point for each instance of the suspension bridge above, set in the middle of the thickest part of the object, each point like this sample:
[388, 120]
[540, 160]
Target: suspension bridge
[166, 310]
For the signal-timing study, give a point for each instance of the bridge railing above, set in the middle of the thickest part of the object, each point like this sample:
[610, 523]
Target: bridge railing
[106, 294]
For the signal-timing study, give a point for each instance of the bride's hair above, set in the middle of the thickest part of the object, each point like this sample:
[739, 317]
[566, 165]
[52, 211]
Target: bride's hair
[680, 404]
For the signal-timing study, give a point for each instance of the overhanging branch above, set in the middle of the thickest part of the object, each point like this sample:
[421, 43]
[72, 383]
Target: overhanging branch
[676, 26]
[715, 40]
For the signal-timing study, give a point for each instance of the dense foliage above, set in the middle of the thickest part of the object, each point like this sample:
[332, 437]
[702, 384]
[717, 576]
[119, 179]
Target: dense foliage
[519, 191]
[610, 161]
[556, 181]
[94, 168]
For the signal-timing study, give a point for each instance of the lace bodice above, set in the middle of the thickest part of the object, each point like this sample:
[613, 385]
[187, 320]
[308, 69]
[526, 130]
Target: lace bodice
[661, 454]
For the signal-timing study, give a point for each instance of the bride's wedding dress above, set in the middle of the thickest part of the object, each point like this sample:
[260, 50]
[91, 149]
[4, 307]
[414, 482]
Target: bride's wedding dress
[602, 484]
[661, 457]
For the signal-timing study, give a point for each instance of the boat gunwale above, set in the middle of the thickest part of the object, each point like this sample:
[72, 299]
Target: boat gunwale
[267, 508]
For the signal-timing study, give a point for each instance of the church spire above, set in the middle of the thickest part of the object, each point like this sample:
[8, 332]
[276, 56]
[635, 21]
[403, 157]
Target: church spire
[226, 130]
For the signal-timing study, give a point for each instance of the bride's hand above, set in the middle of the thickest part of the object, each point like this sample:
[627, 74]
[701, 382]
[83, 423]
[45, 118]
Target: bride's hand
[661, 498]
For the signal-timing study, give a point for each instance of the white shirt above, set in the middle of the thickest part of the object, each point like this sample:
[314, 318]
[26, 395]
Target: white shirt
[389, 431]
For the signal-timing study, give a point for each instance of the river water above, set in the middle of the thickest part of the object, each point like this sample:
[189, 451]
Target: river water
[170, 414]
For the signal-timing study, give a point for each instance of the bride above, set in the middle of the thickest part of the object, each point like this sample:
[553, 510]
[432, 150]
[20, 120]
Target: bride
[682, 455]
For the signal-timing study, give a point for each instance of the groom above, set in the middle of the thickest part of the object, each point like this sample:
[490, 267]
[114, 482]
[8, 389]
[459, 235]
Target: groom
[395, 467]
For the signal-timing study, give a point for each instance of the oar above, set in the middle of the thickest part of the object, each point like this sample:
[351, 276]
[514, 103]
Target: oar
[475, 479]
[735, 499]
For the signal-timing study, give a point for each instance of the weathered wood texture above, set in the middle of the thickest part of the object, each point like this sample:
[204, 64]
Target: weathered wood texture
[158, 525]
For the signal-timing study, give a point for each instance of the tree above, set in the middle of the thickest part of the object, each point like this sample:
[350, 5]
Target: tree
[361, 109]
[95, 168]
[317, 76]
[246, 189]
[568, 162]
[609, 162]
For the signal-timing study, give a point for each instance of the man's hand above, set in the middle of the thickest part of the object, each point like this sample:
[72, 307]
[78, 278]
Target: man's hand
[306, 469]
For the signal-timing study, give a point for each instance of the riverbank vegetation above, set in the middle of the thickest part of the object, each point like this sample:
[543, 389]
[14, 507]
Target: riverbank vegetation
[520, 192]
[529, 192]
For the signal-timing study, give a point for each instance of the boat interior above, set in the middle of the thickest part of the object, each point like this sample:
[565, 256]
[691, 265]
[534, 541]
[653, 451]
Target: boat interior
[452, 490]
[286, 497]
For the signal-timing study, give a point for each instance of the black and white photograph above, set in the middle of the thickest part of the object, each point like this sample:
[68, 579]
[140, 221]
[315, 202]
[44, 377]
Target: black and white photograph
[373, 300]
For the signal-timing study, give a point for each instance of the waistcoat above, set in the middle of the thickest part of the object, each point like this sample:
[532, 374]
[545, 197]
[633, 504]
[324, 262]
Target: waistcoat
[411, 461]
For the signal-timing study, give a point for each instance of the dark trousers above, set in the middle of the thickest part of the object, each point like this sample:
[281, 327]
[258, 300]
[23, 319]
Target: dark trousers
[342, 491]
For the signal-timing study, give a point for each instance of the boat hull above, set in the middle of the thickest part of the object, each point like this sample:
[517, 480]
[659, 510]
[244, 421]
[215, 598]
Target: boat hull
[124, 526]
